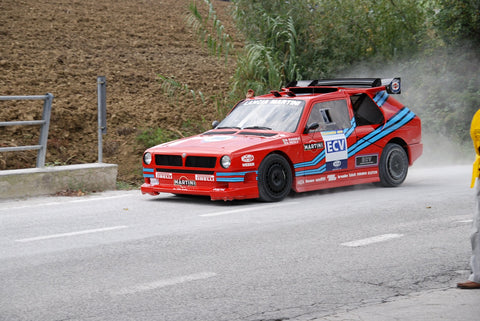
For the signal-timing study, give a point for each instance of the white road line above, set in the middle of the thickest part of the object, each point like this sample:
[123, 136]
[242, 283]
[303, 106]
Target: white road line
[464, 221]
[54, 236]
[81, 200]
[165, 282]
[246, 209]
[371, 240]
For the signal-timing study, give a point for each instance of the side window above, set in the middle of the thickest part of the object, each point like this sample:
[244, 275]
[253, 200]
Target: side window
[330, 115]
[366, 111]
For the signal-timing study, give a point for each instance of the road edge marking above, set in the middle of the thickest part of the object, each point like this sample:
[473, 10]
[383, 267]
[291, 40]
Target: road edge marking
[165, 283]
[54, 236]
[372, 240]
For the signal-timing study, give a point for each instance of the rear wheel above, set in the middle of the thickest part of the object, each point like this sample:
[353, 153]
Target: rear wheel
[274, 178]
[393, 166]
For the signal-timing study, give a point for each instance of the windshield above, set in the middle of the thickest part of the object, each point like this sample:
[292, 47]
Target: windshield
[271, 114]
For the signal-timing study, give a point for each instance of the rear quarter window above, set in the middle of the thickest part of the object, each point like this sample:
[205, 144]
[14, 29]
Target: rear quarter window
[366, 111]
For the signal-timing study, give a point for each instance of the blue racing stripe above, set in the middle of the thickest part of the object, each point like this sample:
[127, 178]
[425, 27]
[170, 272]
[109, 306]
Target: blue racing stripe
[386, 126]
[349, 131]
[148, 170]
[313, 162]
[380, 98]
[397, 121]
[232, 177]
[314, 171]
[234, 173]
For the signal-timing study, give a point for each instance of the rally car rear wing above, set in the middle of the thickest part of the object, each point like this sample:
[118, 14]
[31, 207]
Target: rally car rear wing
[392, 85]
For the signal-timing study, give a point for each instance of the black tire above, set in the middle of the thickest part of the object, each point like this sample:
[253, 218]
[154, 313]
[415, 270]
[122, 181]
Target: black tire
[274, 178]
[393, 167]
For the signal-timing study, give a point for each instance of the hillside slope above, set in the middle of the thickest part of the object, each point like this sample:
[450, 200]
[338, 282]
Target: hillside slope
[62, 46]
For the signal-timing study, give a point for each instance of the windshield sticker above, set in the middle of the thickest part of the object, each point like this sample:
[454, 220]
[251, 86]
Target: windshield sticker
[287, 102]
[336, 151]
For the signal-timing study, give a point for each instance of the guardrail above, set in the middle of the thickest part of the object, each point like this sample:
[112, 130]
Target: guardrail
[44, 124]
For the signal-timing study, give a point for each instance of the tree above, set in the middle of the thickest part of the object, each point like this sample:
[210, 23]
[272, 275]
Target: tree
[290, 40]
[458, 21]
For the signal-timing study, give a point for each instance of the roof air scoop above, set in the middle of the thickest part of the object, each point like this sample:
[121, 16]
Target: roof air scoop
[276, 93]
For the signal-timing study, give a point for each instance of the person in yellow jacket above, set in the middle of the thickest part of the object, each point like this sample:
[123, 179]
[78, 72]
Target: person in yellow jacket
[474, 279]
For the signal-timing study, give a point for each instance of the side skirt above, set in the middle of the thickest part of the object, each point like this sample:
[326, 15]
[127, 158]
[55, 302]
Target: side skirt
[335, 179]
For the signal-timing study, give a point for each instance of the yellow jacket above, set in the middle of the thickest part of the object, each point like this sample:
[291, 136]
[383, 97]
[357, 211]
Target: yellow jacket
[475, 134]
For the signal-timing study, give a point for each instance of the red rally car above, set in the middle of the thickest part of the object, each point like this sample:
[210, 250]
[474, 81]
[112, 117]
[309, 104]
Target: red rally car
[311, 135]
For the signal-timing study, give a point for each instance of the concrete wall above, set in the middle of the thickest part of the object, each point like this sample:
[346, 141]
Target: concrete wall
[50, 180]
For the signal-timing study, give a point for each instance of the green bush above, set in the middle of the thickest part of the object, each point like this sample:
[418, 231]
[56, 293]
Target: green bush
[152, 137]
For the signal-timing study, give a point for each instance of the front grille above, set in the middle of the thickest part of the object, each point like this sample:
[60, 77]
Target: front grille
[200, 161]
[184, 171]
[168, 160]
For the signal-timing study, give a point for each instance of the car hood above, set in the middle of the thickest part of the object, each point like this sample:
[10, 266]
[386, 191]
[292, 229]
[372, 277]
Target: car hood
[220, 143]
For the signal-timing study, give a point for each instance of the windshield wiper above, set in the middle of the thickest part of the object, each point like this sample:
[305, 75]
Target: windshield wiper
[257, 127]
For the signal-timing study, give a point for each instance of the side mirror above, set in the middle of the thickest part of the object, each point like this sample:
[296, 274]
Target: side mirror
[310, 127]
[215, 124]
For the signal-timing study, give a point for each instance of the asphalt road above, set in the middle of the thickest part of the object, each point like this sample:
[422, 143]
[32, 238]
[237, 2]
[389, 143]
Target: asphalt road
[125, 256]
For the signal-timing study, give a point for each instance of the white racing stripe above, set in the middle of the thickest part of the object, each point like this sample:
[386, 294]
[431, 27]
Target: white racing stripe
[371, 240]
[247, 209]
[54, 236]
[165, 282]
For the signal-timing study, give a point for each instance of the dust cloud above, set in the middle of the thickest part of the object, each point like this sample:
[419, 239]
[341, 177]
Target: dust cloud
[439, 89]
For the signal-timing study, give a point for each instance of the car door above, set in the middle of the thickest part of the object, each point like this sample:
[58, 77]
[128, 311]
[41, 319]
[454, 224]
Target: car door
[326, 142]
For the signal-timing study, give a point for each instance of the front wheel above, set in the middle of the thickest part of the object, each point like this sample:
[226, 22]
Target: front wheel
[274, 178]
[393, 166]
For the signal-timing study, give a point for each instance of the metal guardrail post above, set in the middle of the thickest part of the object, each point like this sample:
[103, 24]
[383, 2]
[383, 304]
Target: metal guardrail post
[47, 109]
[102, 113]
[44, 123]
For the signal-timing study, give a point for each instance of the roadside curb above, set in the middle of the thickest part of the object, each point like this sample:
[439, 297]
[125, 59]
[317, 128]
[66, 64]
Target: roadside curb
[50, 180]
[444, 304]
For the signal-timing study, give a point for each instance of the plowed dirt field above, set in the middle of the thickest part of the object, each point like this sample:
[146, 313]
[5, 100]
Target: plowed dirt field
[62, 46]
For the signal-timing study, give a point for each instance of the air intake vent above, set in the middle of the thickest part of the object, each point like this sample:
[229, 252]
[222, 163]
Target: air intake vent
[200, 161]
[168, 160]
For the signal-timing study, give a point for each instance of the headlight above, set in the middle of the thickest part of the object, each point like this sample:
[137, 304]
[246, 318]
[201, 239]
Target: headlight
[147, 158]
[225, 161]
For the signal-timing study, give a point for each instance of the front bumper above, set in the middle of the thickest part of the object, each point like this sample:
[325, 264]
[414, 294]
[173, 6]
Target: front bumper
[231, 191]
[218, 186]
